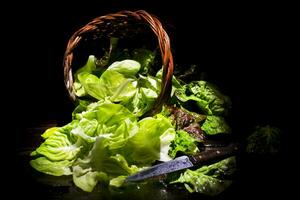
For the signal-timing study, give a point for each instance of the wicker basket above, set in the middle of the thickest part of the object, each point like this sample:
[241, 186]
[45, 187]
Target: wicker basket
[121, 24]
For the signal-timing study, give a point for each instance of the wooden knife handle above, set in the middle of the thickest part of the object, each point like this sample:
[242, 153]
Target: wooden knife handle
[210, 156]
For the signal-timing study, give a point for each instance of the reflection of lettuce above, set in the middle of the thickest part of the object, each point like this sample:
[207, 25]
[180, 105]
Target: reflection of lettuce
[207, 97]
[208, 179]
[264, 140]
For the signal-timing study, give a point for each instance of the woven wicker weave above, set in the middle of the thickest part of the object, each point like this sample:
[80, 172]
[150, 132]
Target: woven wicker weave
[119, 23]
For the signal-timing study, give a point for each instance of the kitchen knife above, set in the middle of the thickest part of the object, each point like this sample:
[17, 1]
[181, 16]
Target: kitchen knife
[184, 162]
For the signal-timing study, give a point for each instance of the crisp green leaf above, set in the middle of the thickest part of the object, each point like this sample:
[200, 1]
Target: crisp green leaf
[116, 86]
[207, 179]
[210, 100]
[55, 168]
[147, 91]
[165, 144]
[89, 67]
[49, 132]
[82, 106]
[144, 147]
[118, 181]
[87, 179]
[125, 67]
[92, 85]
[58, 147]
[184, 143]
[100, 161]
[215, 125]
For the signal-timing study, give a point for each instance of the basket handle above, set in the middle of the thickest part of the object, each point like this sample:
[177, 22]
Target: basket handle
[143, 16]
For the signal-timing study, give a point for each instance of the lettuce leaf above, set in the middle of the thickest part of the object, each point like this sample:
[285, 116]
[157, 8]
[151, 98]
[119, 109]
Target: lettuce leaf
[121, 83]
[108, 139]
[105, 142]
[100, 164]
[55, 168]
[147, 91]
[91, 85]
[56, 155]
[215, 125]
[118, 157]
[145, 146]
[125, 67]
[208, 98]
[89, 67]
[58, 147]
[208, 179]
[184, 143]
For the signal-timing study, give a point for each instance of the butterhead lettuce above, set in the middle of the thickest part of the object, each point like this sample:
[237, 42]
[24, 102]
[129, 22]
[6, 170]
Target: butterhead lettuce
[109, 138]
[104, 142]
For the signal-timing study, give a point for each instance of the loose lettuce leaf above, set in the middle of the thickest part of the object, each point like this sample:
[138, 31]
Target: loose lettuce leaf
[144, 147]
[105, 142]
[165, 144]
[124, 152]
[125, 67]
[185, 120]
[118, 181]
[77, 138]
[98, 162]
[184, 143]
[87, 179]
[58, 147]
[215, 125]
[121, 84]
[210, 100]
[117, 87]
[208, 179]
[117, 82]
[57, 153]
[49, 132]
[89, 67]
[91, 85]
[55, 168]
[147, 91]
[82, 106]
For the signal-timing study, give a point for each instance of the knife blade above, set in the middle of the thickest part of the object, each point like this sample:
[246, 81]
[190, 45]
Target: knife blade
[184, 162]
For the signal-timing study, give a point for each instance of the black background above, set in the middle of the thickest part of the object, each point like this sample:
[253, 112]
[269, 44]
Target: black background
[241, 47]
